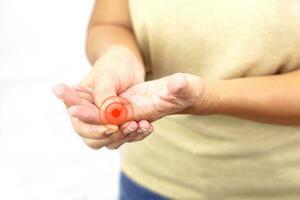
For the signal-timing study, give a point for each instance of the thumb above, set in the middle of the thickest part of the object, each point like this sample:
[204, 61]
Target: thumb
[105, 93]
[105, 88]
[67, 94]
[100, 85]
[178, 86]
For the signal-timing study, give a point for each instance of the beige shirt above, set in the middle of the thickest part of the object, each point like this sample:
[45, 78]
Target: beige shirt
[217, 157]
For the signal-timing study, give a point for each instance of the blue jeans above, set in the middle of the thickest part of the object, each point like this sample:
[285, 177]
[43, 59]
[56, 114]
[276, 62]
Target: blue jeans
[129, 190]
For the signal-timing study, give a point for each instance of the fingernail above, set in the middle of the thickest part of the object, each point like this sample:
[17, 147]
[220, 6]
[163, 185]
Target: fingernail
[128, 130]
[111, 127]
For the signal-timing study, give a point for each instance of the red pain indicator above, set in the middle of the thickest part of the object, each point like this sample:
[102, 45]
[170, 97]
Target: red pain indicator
[115, 110]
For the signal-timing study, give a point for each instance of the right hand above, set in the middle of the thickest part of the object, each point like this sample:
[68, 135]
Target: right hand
[114, 72]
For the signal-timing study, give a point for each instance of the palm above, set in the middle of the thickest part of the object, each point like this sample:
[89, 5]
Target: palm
[150, 103]
[143, 100]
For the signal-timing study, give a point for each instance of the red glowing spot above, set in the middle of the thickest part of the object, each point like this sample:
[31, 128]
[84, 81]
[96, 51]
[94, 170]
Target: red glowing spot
[116, 113]
[115, 110]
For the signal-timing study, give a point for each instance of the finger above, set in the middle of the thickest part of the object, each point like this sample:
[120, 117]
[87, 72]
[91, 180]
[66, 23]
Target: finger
[91, 131]
[120, 135]
[177, 87]
[116, 138]
[106, 87]
[99, 143]
[86, 96]
[71, 97]
[129, 127]
[96, 144]
[178, 84]
[105, 94]
[142, 136]
[145, 127]
[84, 93]
[67, 94]
[80, 88]
[117, 144]
[87, 113]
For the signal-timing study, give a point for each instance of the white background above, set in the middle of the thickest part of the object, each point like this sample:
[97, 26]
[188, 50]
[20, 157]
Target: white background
[42, 43]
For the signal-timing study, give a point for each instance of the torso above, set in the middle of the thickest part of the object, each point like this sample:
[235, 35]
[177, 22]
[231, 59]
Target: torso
[218, 157]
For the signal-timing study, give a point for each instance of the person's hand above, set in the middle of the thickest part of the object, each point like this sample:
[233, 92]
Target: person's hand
[112, 74]
[175, 94]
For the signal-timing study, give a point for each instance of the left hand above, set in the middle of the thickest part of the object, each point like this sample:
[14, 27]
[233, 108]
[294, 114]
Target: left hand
[175, 94]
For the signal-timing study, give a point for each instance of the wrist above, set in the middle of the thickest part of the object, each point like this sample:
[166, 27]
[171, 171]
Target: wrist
[123, 55]
[208, 98]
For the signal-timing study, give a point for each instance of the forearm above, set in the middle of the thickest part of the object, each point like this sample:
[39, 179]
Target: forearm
[270, 99]
[101, 38]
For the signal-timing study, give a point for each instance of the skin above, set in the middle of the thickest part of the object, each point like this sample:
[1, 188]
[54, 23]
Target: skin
[106, 79]
[118, 69]
[109, 34]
